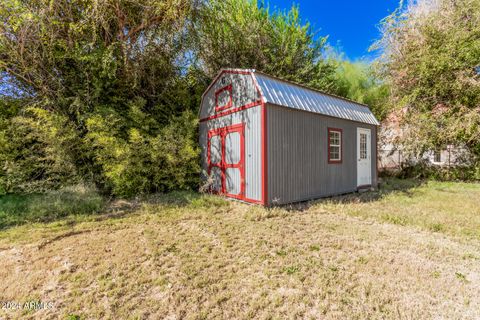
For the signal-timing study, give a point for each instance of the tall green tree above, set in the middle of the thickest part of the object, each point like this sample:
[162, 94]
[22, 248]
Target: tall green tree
[107, 89]
[77, 61]
[246, 34]
[431, 59]
[357, 81]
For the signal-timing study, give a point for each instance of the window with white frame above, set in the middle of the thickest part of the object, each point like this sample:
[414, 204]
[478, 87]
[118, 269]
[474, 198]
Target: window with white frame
[437, 156]
[334, 145]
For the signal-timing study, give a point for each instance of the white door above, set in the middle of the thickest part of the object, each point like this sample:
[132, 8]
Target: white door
[364, 157]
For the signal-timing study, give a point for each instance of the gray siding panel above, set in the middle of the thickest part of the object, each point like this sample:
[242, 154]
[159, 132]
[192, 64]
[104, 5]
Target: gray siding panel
[297, 146]
[253, 152]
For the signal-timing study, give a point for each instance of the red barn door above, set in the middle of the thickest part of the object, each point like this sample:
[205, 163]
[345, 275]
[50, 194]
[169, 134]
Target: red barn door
[226, 160]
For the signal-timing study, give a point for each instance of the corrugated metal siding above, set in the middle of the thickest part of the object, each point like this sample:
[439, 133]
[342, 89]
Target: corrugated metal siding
[253, 152]
[233, 181]
[298, 167]
[244, 92]
[287, 94]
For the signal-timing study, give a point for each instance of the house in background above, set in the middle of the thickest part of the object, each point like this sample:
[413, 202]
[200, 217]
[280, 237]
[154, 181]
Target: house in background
[270, 141]
[390, 152]
[390, 156]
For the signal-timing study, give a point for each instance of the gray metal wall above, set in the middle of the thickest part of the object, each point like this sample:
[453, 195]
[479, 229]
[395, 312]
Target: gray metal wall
[253, 152]
[298, 168]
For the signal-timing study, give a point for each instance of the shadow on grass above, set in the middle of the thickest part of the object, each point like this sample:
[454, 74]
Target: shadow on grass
[386, 186]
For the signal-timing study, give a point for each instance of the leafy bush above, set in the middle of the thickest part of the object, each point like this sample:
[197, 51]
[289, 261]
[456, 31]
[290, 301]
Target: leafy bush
[424, 170]
[35, 152]
[141, 163]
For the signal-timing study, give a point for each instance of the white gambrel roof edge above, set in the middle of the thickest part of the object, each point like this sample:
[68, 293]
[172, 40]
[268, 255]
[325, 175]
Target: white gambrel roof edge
[292, 95]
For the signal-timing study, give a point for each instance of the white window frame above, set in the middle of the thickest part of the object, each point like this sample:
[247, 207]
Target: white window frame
[339, 146]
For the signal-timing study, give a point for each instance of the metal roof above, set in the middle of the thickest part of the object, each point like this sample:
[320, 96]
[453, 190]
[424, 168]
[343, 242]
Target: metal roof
[291, 95]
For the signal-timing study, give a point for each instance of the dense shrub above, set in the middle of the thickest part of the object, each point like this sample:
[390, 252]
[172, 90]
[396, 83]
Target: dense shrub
[424, 170]
[35, 152]
[142, 163]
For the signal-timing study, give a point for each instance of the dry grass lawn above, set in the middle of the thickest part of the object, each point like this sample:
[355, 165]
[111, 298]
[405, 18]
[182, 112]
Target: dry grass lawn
[412, 254]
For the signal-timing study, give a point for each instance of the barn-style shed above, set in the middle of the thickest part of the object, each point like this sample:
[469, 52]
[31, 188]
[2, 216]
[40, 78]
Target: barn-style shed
[270, 141]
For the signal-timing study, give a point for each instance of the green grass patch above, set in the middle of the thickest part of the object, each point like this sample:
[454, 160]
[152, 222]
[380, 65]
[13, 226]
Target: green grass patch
[355, 256]
[445, 207]
[291, 270]
[45, 207]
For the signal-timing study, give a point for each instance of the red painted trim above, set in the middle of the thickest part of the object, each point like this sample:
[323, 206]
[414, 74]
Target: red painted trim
[330, 161]
[264, 156]
[240, 128]
[220, 74]
[238, 108]
[225, 113]
[230, 100]
[223, 165]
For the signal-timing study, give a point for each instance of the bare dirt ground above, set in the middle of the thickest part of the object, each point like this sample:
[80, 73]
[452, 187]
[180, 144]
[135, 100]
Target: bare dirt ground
[206, 260]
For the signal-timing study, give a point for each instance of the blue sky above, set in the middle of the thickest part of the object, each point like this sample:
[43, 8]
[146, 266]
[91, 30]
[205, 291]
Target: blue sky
[351, 25]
